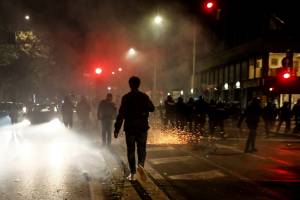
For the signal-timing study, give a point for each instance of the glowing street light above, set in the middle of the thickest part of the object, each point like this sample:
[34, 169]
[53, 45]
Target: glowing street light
[131, 52]
[158, 19]
[98, 70]
[27, 17]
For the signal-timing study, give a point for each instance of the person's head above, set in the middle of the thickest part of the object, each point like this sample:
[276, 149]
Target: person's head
[169, 98]
[134, 82]
[286, 104]
[191, 100]
[109, 97]
[180, 100]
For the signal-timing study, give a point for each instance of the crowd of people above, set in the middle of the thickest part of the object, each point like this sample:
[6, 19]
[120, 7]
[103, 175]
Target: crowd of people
[194, 114]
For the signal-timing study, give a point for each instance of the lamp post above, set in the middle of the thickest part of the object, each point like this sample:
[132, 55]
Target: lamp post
[157, 21]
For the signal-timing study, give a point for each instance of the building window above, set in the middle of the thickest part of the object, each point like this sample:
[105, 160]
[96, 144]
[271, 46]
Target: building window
[275, 62]
[238, 71]
[231, 74]
[296, 66]
[244, 70]
[216, 76]
[251, 68]
[258, 67]
[226, 74]
[221, 73]
[211, 77]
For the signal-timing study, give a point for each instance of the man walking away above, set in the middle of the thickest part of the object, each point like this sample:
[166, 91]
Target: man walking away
[106, 113]
[252, 114]
[134, 109]
[170, 113]
[269, 115]
[285, 115]
[296, 112]
[67, 112]
[83, 111]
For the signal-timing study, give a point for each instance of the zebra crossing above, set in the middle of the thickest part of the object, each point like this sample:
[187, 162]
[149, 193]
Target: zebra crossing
[188, 173]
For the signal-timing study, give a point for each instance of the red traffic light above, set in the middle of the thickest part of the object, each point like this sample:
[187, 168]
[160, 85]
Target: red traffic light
[209, 5]
[98, 70]
[286, 75]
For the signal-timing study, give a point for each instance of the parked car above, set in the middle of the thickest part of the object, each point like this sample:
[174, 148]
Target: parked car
[42, 113]
[6, 108]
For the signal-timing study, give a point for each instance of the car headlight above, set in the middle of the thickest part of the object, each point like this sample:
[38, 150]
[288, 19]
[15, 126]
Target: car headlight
[24, 109]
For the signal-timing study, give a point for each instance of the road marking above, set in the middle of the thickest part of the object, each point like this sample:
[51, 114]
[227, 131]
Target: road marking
[216, 165]
[152, 190]
[162, 183]
[157, 161]
[211, 174]
[160, 148]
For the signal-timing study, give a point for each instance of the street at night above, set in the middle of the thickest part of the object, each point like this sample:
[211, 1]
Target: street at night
[48, 161]
[152, 99]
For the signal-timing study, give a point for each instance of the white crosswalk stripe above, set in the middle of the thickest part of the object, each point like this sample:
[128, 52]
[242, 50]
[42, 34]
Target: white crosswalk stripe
[157, 161]
[211, 174]
[160, 148]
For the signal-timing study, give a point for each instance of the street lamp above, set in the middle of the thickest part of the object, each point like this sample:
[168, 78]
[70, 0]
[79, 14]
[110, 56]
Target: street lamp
[158, 20]
[27, 17]
[131, 52]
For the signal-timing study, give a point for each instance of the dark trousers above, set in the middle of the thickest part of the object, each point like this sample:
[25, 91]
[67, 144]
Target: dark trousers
[268, 126]
[140, 139]
[106, 131]
[250, 143]
[68, 120]
[287, 125]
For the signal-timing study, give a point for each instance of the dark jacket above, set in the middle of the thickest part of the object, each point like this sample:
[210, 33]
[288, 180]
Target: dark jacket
[134, 109]
[106, 110]
[253, 113]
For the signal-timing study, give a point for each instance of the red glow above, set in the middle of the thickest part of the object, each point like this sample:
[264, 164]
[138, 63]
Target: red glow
[209, 5]
[286, 75]
[98, 70]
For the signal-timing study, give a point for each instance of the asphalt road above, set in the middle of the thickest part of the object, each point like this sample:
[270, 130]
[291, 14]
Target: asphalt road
[48, 161]
[186, 171]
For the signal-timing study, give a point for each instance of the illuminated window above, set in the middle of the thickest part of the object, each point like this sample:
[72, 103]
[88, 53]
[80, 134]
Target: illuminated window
[297, 63]
[258, 68]
[275, 62]
[251, 69]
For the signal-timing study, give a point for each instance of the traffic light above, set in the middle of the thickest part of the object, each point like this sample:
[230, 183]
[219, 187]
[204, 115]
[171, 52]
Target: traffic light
[286, 75]
[98, 71]
[209, 6]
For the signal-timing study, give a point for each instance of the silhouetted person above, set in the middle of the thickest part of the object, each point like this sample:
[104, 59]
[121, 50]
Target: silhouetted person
[221, 115]
[83, 112]
[190, 113]
[201, 108]
[296, 112]
[252, 114]
[134, 110]
[13, 113]
[269, 114]
[106, 113]
[212, 118]
[285, 115]
[180, 113]
[67, 112]
[170, 111]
